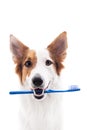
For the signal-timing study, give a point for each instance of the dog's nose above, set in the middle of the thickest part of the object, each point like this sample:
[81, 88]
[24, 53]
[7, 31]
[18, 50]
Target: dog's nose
[37, 81]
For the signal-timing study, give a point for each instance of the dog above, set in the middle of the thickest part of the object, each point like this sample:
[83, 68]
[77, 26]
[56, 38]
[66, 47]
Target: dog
[40, 71]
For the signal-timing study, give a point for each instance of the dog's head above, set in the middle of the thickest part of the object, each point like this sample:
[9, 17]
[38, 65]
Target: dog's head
[38, 70]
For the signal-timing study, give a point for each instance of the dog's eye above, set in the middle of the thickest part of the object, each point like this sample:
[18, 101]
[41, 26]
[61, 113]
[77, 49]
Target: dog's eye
[28, 63]
[48, 62]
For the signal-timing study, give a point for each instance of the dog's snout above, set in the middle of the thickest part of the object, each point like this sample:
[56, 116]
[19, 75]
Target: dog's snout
[37, 81]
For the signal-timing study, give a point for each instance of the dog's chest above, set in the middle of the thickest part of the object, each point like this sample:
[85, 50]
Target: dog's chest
[41, 116]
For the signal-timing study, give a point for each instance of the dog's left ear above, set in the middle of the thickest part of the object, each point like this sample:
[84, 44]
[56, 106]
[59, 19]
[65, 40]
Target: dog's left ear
[57, 50]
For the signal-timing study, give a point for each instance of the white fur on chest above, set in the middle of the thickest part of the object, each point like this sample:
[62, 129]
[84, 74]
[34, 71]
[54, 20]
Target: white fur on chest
[41, 115]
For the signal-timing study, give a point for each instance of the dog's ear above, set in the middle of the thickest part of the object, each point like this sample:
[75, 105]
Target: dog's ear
[57, 50]
[19, 51]
[17, 48]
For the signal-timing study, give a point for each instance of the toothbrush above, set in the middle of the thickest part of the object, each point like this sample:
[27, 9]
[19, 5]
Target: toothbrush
[73, 88]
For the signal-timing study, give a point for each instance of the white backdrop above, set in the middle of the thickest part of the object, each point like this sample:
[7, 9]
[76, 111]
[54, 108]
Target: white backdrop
[37, 23]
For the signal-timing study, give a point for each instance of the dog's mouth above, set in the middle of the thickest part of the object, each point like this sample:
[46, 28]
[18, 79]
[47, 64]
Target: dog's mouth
[38, 93]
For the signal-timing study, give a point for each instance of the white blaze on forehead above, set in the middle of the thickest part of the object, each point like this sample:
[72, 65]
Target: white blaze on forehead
[43, 55]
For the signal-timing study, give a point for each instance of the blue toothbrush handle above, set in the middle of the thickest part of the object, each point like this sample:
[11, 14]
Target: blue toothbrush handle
[73, 88]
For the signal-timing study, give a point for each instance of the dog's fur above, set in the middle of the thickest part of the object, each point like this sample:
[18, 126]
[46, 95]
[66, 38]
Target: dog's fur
[40, 71]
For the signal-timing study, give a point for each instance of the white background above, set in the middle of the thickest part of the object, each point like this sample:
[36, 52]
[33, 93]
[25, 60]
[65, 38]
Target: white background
[37, 23]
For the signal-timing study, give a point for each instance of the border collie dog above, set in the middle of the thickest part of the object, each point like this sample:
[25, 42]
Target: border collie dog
[40, 71]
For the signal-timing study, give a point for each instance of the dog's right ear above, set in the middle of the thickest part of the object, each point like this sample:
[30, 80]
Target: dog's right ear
[17, 48]
[58, 49]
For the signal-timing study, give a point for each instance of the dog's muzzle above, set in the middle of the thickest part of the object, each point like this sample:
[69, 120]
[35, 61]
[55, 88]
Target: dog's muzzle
[38, 87]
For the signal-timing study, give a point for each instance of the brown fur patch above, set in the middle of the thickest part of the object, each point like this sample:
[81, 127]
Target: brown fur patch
[30, 56]
[21, 69]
